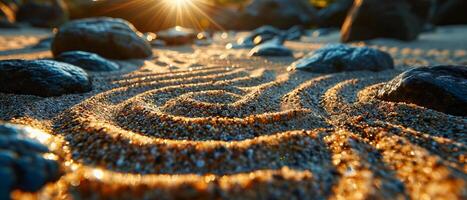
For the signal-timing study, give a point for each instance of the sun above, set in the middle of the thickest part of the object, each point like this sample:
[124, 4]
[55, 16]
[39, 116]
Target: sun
[178, 3]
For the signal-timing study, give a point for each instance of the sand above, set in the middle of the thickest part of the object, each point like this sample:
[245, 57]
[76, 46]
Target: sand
[209, 123]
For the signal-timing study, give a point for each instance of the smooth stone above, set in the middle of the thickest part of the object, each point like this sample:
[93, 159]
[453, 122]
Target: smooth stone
[271, 48]
[450, 12]
[42, 14]
[177, 35]
[279, 13]
[87, 61]
[44, 43]
[26, 168]
[335, 14]
[338, 57]
[295, 33]
[42, 78]
[371, 19]
[108, 37]
[441, 88]
[258, 36]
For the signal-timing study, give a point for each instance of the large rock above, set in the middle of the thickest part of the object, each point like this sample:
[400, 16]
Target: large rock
[442, 88]
[42, 78]
[398, 19]
[177, 35]
[42, 15]
[87, 61]
[108, 37]
[278, 13]
[22, 164]
[338, 57]
[334, 15]
[451, 12]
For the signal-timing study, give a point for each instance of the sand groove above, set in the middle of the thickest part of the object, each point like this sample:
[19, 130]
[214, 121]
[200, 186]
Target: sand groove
[246, 129]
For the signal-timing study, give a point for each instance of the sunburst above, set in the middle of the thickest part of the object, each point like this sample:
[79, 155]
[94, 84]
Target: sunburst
[168, 13]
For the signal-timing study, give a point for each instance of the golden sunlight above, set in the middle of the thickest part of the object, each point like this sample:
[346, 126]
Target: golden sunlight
[189, 13]
[179, 3]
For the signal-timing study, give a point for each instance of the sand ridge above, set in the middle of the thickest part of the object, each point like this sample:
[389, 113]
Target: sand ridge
[207, 123]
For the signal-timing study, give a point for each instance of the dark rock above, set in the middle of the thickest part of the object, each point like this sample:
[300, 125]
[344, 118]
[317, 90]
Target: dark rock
[7, 24]
[87, 61]
[258, 36]
[108, 37]
[42, 78]
[271, 48]
[423, 9]
[42, 15]
[158, 43]
[322, 32]
[177, 35]
[396, 19]
[295, 33]
[204, 39]
[151, 38]
[334, 15]
[338, 57]
[279, 13]
[44, 43]
[22, 165]
[441, 88]
[450, 12]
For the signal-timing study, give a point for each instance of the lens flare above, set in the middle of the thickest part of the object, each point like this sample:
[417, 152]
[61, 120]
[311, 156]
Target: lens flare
[161, 14]
[179, 3]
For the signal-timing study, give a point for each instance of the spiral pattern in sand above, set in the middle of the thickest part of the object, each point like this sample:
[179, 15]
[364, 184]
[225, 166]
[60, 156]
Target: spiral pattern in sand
[244, 132]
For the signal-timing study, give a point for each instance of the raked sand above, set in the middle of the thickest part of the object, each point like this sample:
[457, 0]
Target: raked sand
[208, 123]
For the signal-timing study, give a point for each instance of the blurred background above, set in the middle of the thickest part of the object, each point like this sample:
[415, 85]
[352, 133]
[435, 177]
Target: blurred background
[155, 15]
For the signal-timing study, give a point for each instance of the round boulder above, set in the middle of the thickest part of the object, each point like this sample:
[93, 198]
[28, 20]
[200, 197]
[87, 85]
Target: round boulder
[442, 88]
[108, 37]
[87, 61]
[338, 57]
[42, 78]
[42, 14]
[397, 19]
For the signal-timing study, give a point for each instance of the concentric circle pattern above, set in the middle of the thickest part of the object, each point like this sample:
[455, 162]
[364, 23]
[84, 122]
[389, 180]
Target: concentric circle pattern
[231, 132]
